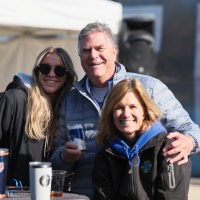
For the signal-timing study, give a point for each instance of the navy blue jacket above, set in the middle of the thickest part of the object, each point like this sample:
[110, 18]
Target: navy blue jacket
[22, 150]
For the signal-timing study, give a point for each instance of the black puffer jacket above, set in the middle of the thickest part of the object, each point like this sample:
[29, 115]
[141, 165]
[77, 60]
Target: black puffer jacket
[13, 104]
[153, 179]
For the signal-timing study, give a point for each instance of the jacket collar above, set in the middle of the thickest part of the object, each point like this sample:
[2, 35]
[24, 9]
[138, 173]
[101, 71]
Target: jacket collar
[120, 148]
[130, 152]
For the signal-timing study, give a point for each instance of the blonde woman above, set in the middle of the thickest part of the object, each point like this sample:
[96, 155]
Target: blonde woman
[29, 111]
[131, 164]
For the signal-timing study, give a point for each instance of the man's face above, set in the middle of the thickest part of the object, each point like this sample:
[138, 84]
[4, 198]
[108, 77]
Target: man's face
[98, 58]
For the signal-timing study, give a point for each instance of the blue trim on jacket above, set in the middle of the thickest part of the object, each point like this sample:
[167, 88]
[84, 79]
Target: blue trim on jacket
[125, 150]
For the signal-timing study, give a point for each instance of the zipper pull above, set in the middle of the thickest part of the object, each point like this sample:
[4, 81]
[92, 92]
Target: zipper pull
[130, 171]
[171, 175]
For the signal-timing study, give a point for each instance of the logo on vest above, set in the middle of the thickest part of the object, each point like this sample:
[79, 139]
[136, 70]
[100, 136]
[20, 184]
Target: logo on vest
[146, 166]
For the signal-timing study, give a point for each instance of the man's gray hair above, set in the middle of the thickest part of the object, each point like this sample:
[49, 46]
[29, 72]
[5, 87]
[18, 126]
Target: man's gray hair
[96, 27]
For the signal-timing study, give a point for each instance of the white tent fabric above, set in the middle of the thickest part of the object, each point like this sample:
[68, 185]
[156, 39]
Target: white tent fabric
[28, 26]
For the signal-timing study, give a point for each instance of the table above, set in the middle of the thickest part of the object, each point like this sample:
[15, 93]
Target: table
[66, 196]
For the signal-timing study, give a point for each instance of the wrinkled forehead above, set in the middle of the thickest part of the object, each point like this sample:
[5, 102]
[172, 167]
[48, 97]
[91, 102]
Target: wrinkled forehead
[98, 37]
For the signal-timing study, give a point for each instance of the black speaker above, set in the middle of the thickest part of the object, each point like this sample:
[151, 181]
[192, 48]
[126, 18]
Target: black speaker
[137, 45]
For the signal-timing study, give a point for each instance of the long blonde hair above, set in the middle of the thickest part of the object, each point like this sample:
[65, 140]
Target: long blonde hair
[106, 127]
[42, 113]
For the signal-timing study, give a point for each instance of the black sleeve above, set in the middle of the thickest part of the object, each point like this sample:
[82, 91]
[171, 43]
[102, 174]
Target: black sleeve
[5, 114]
[173, 180]
[12, 115]
[102, 180]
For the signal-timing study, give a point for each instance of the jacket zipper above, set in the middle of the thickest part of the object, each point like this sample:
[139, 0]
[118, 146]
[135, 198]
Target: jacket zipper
[171, 175]
[131, 188]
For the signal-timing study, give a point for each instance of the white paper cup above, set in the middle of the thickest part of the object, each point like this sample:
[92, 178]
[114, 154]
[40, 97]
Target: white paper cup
[77, 136]
[40, 180]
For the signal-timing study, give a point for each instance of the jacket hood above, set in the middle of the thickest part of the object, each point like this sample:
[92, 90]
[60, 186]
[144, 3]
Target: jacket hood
[26, 79]
[129, 152]
[20, 81]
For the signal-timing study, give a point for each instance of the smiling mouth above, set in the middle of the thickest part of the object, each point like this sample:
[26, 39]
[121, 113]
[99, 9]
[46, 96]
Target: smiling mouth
[96, 64]
[51, 81]
[127, 121]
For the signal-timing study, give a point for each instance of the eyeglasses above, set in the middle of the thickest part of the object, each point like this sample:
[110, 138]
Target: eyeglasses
[59, 71]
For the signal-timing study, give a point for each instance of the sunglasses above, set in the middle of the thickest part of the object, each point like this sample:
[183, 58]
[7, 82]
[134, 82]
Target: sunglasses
[59, 71]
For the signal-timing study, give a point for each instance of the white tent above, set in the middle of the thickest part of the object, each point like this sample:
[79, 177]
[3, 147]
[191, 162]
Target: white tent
[28, 26]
